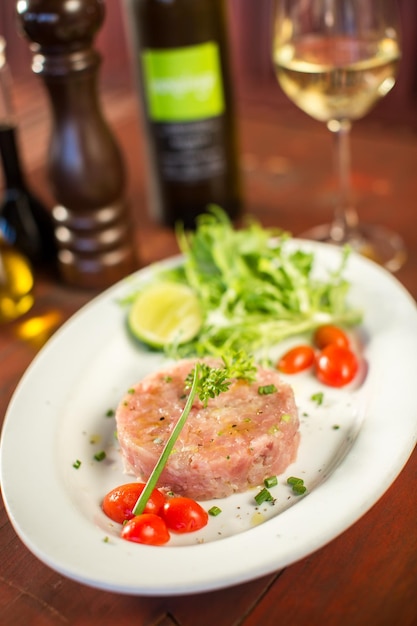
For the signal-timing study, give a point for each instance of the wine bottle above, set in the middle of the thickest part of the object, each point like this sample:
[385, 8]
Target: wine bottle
[180, 57]
[30, 221]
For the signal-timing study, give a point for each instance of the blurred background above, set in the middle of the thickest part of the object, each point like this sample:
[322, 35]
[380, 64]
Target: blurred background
[255, 85]
[250, 27]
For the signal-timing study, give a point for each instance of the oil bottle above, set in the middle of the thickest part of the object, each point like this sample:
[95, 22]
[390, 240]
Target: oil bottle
[25, 215]
[180, 57]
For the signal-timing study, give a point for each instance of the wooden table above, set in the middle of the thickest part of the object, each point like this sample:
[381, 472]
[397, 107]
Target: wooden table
[368, 575]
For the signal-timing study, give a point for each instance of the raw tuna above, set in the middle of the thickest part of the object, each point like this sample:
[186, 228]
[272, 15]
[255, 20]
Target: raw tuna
[234, 443]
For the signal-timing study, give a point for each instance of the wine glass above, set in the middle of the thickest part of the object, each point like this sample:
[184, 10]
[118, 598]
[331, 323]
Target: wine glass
[335, 59]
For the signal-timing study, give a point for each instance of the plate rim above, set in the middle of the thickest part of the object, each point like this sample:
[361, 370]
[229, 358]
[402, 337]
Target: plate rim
[269, 562]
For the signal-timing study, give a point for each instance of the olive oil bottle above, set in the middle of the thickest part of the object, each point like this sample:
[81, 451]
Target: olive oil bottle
[16, 279]
[180, 57]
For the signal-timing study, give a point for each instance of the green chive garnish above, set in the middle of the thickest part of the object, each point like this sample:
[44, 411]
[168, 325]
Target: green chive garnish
[297, 485]
[205, 382]
[271, 481]
[266, 390]
[263, 496]
[318, 398]
[293, 480]
[76, 464]
[214, 511]
[100, 456]
[299, 489]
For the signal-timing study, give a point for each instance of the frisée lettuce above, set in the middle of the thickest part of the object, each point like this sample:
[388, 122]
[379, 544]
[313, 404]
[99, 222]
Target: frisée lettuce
[255, 287]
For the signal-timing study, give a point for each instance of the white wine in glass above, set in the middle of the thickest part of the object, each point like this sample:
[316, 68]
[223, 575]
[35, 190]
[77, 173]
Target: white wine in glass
[335, 59]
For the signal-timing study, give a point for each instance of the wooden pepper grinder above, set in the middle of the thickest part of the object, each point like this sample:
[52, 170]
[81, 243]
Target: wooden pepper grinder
[86, 170]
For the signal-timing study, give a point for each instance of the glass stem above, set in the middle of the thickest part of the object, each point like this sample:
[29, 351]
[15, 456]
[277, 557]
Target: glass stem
[345, 220]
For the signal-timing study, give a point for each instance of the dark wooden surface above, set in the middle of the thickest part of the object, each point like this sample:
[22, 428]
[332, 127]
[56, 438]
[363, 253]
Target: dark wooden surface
[366, 576]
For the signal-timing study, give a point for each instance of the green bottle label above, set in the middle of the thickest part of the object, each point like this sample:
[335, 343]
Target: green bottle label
[183, 84]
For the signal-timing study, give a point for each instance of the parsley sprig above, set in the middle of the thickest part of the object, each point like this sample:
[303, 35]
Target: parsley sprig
[216, 380]
[205, 382]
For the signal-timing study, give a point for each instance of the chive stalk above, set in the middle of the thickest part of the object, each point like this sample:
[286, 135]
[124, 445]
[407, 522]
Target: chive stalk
[157, 470]
[263, 496]
[214, 511]
[297, 485]
[207, 382]
[266, 390]
[271, 481]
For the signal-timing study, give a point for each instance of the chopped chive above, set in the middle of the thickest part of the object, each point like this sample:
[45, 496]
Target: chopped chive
[100, 456]
[263, 496]
[299, 489]
[76, 464]
[110, 413]
[297, 485]
[214, 511]
[318, 398]
[266, 390]
[293, 480]
[271, 481]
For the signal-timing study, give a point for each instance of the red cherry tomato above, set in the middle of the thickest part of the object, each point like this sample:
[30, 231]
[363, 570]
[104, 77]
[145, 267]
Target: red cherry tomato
[328, 334]
[336, 366]
[146, 528]
[184, 515]
[296, 360]
[119, 503]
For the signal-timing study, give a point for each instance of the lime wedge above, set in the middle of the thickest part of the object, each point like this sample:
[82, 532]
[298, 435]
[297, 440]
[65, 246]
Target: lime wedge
[165, 313]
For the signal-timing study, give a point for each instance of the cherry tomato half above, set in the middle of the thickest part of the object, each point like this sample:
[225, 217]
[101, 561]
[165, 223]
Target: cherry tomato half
[146, 528]
[328, 334]
[119, 503]
[336, 366]
[184, 515]
[296, 360]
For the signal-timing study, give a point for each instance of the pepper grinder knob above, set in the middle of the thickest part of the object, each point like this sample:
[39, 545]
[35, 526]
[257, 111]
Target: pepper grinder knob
[86, 170]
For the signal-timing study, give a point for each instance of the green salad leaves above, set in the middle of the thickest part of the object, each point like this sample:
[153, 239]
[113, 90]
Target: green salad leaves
[255, 289]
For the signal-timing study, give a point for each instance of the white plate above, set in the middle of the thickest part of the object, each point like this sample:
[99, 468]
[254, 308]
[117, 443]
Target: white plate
[58, 415]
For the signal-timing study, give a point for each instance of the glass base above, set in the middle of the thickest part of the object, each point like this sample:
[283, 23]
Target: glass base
[374, 242]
